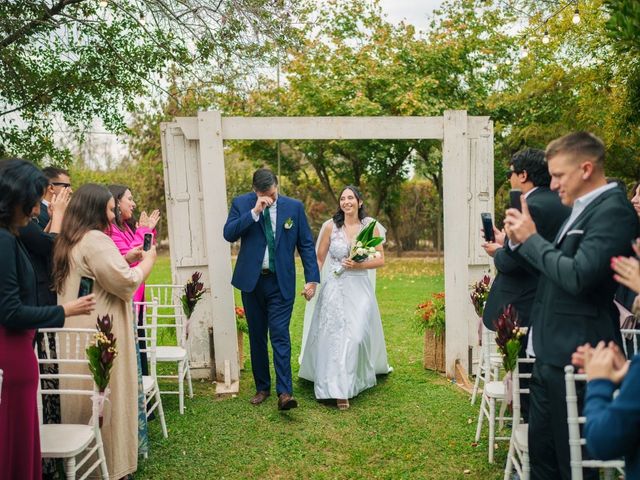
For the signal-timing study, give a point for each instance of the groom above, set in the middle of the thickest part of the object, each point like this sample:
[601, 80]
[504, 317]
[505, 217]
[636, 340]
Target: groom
[270, 227]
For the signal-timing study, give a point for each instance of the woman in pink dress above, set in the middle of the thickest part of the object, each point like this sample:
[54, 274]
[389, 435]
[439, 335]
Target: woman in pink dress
[21, 188]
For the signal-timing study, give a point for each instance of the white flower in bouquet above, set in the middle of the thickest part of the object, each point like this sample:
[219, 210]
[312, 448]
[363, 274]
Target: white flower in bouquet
[372, 249]
[361, 251]
[364, 247]
[359, 244]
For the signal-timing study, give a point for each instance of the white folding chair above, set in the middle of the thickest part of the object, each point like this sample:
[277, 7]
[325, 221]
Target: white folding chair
[576, 441]
[172, 317]
[486, 369]
[69, 441]
[492, 392]
[518, 456]
[152, 400]
[630, 339]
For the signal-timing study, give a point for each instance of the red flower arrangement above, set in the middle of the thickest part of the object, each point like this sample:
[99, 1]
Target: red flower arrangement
[430, 315]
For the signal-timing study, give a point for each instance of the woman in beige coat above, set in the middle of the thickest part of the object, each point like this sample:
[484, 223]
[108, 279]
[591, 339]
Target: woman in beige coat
[83, 249]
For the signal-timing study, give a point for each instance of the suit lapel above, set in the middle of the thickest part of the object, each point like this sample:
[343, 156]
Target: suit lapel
[281, 216]
[580, 218]
[252, 202]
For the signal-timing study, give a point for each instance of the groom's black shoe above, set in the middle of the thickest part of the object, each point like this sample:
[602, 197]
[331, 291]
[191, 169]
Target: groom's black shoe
[286, 402]
[259, 397]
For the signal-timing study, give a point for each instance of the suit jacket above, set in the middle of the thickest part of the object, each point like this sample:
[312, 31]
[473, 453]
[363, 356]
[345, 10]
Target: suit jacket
[43, 218]
[18, 290]
[241, 225]
[516, 281]
[39, 245]
[574, 300]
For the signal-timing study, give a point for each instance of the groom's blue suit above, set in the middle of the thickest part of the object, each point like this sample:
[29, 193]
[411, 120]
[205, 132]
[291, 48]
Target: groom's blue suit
[268, 297]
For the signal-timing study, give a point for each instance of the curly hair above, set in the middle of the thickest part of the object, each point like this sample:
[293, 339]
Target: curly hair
[22, 186]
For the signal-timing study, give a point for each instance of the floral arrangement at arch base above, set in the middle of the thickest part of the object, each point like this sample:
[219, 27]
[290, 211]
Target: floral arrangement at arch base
[193, 292]
[242, 327]
[102, 352]
[508, 340]
[430, 319]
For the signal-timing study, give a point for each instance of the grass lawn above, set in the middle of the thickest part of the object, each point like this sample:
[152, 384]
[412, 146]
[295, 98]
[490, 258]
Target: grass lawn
[413, 424]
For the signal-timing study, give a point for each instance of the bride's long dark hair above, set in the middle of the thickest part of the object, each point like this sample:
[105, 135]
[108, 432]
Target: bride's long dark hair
[338, 217]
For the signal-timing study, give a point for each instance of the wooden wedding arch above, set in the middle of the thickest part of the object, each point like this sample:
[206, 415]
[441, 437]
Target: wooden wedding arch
[195, 189]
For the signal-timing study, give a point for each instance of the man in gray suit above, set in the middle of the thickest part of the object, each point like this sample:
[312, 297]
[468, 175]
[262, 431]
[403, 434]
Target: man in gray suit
[574, 300]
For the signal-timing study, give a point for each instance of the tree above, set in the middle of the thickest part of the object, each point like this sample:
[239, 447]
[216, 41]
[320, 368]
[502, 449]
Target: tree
[70, 61]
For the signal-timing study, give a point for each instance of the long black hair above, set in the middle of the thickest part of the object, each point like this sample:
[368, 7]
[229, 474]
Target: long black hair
[118, 192]
[22, 185]
[338, 217]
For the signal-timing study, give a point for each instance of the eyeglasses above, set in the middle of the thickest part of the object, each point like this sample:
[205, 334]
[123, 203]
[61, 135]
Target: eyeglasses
[61, 184]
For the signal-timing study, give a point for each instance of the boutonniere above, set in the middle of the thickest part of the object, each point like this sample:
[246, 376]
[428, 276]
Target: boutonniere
[289, 223]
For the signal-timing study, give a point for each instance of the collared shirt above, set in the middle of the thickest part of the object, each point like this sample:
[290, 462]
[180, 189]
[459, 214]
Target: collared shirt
[273, 213]
[578, 207]
[43, 201]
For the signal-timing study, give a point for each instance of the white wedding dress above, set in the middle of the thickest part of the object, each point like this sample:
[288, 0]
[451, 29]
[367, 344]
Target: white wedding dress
[343, 346]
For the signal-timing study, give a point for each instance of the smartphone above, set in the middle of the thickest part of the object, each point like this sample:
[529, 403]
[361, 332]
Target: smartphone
[148, 238]
[514, 199]
[86, 286]
[487, 226]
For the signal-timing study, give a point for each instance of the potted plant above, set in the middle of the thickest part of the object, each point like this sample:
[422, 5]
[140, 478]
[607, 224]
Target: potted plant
[242, 328]
[430, 319]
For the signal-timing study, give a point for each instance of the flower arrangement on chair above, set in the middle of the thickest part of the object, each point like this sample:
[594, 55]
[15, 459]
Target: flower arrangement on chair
[193, 292]
[508, 340]
[478, 292]
[101, 354]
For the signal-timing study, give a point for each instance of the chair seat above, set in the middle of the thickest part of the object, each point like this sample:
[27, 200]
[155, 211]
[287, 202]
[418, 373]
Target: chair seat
[170, 354]
[522, 437]
[64, 440]
[148, 383]
[494, 389]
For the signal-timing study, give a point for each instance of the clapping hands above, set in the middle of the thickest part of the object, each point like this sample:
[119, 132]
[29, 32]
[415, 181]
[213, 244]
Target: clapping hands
[627, 270]
[149, 221]
[603, 361]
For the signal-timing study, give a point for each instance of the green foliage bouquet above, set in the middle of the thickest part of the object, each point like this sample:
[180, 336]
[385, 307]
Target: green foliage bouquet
[241, 320]
[430, 315]
[479, 292]
[508, 337]
[364, 247]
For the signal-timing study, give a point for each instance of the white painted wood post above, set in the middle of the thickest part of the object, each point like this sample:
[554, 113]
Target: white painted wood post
[214, 189]
[455, 172]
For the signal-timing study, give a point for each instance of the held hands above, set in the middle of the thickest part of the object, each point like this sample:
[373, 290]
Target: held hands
[627, 271]
[261, 204]
[81, 306]
[149, 221]
[519, 225]
[309, 291]
[134, 255]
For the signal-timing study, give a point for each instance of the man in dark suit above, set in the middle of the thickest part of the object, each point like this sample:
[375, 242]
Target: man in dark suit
[574, 300]
[271, 227]
[59, 180]
[516, 281]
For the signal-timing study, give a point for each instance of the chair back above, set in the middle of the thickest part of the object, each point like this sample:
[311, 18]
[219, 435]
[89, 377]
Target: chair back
[517, 376]
[170, 314]
[148, 332]
[630, 341]
[489, 347]
[574, 421]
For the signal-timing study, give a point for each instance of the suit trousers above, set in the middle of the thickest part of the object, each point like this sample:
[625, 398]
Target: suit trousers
[269, 314]
[548, 430]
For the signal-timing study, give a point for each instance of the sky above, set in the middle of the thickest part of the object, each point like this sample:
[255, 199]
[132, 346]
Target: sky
[415, 12]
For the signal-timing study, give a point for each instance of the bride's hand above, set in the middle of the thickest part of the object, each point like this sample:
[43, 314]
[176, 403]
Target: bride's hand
[349, 264]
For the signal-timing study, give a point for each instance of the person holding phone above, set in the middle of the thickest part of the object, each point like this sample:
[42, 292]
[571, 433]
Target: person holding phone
[515, 283]
[22, 185]
[84, 250]
[574, 300]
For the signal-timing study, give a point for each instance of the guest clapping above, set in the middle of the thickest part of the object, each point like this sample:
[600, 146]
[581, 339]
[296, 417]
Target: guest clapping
[83, 249]
[21, 188]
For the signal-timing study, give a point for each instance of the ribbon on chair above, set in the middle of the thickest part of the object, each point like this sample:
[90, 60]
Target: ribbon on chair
[100, 398]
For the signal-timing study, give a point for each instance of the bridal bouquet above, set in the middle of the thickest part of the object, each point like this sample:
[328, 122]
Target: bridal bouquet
[364, 247]
[101, 353]
[193, 292]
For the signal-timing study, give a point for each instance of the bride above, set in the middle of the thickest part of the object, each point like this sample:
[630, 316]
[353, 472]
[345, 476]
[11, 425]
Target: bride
[343, 346]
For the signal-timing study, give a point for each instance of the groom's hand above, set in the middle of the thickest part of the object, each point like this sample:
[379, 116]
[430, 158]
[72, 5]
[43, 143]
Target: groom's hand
[261, 204]
[309, 291]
